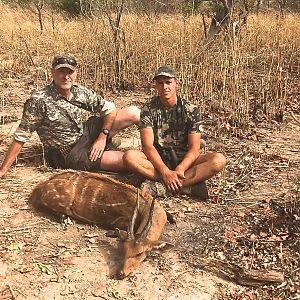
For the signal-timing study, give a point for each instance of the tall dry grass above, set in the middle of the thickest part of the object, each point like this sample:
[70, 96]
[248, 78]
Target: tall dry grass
[235, 76]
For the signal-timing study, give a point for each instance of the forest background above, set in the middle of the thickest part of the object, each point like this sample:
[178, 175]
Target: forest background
[238, 58]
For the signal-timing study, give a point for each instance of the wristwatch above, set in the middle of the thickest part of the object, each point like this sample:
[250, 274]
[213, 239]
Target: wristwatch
[105, 131]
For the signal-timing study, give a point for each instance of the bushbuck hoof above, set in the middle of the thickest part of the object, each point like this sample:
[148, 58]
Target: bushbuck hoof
[120, 275]
[63, 220]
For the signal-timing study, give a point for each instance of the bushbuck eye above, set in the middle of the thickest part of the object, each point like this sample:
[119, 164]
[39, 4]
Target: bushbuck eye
[139, 254]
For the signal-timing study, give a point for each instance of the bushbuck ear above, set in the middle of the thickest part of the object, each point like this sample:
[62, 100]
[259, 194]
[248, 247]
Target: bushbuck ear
[122, 234]
[117, 233]
[162, 244]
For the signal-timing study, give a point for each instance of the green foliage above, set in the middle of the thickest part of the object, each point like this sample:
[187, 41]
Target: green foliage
[196, 6]
[70, 6]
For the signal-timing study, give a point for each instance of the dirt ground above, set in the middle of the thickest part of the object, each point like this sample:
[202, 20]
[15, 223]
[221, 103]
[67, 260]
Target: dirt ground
[250, 222]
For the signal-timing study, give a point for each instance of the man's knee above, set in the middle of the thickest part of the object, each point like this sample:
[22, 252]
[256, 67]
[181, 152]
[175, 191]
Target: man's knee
[132, 157]
[218, 162]
[133, 113]
[129, 156]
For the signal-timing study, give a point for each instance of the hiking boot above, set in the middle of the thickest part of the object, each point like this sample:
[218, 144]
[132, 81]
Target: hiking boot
[154, 188]
[198, 191]
[113, 144]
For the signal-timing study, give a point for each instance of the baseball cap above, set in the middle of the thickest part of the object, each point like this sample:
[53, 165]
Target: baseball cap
[64, 61]
[165, 71]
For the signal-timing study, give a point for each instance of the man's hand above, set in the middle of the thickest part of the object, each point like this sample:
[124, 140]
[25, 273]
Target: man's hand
[180, 172]
[97, 148]
[172, 180]
[10, 157]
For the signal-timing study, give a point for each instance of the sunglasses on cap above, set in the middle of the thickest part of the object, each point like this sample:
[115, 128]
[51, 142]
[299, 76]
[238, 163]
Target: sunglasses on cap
[64, 61]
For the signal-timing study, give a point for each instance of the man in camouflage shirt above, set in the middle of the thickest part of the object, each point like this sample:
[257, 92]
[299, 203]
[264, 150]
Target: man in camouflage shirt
[59, 114]
[170, 136]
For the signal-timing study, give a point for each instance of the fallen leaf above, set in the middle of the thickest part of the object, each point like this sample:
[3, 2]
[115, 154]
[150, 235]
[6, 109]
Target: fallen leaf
[16, 246]
[230, 236]
[25, 270]
[239, 228]
[221, 255]
[44, 268]
[99, 291]
[263, 234]
[3, 269]
[93, 240]
[274, 238]
[249, 294]
[91, 235]
[68, 261]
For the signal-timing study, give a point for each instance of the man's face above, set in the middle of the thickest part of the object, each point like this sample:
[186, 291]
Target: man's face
[166, 88]
[64, 78]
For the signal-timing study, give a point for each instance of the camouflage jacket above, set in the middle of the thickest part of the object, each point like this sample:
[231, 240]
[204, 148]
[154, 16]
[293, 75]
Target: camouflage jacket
[58, 121]
[171, 126]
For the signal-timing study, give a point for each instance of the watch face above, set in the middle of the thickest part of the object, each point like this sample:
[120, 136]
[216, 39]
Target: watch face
[105, 131]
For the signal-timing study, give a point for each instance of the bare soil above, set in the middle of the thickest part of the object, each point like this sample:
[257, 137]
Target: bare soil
[250, 221]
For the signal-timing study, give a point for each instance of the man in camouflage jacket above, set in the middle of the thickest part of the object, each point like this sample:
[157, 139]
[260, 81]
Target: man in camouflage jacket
[170, 136]
[59, 114]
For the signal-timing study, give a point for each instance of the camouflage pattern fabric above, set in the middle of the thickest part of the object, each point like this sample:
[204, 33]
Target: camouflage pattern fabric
[58, 121]
[171, 126]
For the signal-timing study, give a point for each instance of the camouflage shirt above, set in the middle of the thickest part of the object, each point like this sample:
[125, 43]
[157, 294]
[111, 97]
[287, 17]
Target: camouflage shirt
[58, 121]
[171, 126]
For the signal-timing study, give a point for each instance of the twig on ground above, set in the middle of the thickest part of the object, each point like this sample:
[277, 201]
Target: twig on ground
[206, 245]
[248, 196]
[294, 118]
[7, 232]
[11, 291]
[250, 205]
[240, 179]
[241, 275]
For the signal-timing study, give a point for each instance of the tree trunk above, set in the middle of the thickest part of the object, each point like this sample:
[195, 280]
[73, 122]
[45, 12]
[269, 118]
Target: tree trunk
[39, 6]
[228, 18]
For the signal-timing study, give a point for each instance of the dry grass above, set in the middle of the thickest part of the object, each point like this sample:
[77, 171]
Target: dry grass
[236, 76]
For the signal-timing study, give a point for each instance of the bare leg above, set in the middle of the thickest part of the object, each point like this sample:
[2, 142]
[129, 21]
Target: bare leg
[126, 117]
[205, 167]
[112, 161]
[137, 162]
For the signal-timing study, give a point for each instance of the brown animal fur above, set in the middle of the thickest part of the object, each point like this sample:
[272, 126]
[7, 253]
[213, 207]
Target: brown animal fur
[98, 199]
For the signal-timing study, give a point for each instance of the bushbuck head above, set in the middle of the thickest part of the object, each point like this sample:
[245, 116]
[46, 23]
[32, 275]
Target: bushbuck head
[136, 245]
[98, 199]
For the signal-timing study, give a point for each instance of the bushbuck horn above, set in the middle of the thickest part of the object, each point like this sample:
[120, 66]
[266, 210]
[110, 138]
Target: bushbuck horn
[133, 219]
[147, 227]
[104, 201]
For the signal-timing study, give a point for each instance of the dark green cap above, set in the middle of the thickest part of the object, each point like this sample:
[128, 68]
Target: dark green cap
[165, 71]
[64, 61]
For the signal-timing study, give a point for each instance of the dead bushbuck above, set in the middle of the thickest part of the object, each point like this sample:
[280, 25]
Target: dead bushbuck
[97, 199]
